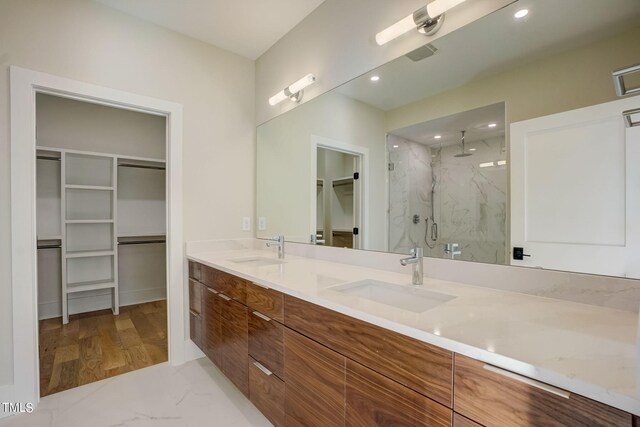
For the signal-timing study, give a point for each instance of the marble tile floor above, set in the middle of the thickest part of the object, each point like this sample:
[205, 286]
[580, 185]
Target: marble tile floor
[194, 394]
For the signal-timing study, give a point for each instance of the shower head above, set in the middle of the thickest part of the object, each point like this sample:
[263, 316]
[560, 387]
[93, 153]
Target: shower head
[463, 153]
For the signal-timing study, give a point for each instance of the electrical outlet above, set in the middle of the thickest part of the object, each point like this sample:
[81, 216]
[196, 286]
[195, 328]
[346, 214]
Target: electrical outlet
[246, 223]
[262, 223]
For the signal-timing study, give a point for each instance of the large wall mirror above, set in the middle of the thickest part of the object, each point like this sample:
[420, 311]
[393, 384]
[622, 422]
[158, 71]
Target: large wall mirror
[502, 142]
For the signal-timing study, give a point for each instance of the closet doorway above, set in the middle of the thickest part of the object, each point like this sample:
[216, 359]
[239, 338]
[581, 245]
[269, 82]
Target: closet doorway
[101, 203]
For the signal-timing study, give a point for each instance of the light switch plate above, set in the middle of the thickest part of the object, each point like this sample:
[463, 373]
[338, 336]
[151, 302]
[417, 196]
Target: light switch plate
[246, 223]
[262, 223]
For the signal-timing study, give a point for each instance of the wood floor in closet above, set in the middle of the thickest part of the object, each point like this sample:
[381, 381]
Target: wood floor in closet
[98, 345]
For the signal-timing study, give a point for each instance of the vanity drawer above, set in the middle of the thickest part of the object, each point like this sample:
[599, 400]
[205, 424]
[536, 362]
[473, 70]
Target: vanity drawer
[194, 270]
[460, 421]
[266, 342]
[412, 363]
[230, 285]
[195, 329]
[372, 399]
[267, 301]
[266, 392]
[195, 296]
[494, 397]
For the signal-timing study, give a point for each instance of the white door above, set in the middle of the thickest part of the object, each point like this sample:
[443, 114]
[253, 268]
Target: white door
[575, 190]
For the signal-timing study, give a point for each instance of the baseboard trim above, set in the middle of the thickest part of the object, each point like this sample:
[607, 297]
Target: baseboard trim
[191, 351]
[99, 301]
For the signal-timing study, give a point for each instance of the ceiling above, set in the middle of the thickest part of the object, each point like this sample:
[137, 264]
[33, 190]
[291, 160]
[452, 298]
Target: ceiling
[246, 27]
[474, 122]
[494, 44]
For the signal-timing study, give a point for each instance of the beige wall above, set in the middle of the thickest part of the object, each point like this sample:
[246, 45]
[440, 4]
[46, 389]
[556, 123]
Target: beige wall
[336, 42]
[566, 81]
[86, 41]
[284, 163]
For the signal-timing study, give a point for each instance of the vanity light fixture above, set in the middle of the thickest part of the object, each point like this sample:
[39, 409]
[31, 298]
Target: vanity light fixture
[472, 149]
[375, 78]
[521, 13]
[437, 137]
[396, 146]
[492, 125]
[427, 20]
[487, 165]
[502, 162]
[294, 91]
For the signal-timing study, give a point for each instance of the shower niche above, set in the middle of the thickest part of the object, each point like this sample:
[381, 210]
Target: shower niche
[451, 175]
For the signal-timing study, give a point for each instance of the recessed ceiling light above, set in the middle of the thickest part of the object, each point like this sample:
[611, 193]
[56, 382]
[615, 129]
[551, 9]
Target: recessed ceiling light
[492, 125]
[375, 78]
[521, 13]
[437, 137]
[395, 146]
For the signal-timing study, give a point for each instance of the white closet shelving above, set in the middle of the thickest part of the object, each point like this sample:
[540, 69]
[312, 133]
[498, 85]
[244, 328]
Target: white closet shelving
[89, 241]
[88, 227]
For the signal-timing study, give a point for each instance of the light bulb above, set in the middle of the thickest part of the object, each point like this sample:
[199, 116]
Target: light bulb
[396, 30]
[438, 7]
[302, 83]
[277, 98]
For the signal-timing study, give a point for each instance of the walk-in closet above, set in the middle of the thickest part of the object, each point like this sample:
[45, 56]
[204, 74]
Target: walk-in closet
[101, 227]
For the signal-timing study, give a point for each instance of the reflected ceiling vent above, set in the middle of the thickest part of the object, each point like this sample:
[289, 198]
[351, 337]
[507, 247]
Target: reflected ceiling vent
[422, 52]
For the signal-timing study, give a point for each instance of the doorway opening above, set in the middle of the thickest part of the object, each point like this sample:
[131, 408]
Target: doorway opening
[338, 198]
[101, 232]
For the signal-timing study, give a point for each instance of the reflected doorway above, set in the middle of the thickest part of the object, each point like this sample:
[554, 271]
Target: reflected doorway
[338, 198]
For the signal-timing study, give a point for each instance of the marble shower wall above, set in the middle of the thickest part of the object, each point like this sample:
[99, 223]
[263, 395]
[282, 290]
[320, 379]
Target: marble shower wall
[470, 200]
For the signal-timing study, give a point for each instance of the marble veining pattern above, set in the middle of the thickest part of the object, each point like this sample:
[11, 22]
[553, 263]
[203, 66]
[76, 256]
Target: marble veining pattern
[470, 201]
[195, 394]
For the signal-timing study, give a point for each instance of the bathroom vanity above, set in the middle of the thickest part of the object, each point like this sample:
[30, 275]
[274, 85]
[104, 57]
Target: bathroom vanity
[313, 342]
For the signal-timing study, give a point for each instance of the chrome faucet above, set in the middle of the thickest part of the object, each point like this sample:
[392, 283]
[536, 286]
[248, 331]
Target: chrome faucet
[416, 260]
[278, 242]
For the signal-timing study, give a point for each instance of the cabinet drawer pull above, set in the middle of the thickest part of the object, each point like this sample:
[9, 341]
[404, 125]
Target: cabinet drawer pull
[262, 316]
[193, 312]
[262, 368]
[261, 286]
[213, 291]
[224, 297]
[542, 386]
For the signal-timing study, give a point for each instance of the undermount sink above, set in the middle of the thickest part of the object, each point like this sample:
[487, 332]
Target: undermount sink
[414, 299]
[257, 261]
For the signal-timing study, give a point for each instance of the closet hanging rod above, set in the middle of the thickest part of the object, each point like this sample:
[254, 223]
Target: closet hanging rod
[50, 247]
[57, 159]
[129, 165]
[141, 242]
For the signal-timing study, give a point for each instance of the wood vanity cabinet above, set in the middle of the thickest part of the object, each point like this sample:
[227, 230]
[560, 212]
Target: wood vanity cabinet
[266, 352]
[196, 320]
[314, 383]
[266, 392]
[305, 365]
[492, 397]
[417, 365]
[235, 342]
[374, 400]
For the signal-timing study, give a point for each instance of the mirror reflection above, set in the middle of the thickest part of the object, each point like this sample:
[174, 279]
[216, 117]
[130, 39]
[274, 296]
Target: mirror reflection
[505, 144]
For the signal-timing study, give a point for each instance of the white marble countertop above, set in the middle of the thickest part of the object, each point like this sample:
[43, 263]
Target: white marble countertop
[588, 350]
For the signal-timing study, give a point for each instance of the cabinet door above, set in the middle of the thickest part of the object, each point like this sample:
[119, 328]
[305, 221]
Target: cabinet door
[212, 331]
[266, 342]
[266, 392]
[374, 400]
[314, 383]
[235, 338]
[493, 397]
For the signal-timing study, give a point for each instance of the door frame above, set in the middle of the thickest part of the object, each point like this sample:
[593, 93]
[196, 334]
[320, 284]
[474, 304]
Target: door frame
[24, 85]
[355, 150]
